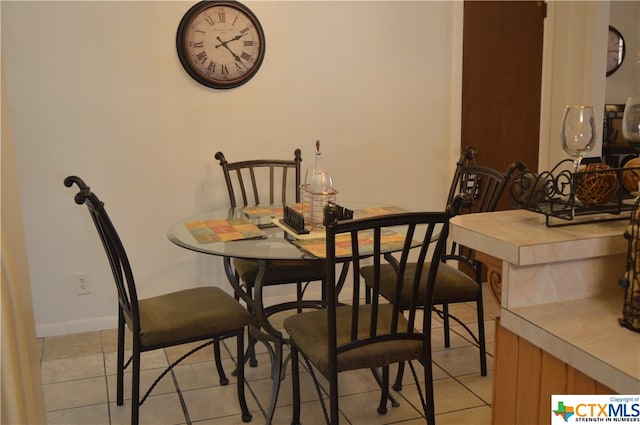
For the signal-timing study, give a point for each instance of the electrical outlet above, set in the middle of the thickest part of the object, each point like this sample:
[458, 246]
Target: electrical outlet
[82, 283]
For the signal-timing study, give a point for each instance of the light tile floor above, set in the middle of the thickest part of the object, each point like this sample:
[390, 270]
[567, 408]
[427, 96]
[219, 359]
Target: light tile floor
[78, 374]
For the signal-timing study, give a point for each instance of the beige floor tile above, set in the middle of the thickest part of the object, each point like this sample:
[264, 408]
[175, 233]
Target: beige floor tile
[69, 394]
[76, 345]
[474, 416]
[258, 418]
[482, 386]
[77, 389]
[192, 376]
[149, 360]
[310, 414]
[449, 396]
[147, 377]
[456, 339]
[164, 409]
[262, 370]
[362, 408]
[94, 415]
[264, 388]
[215, 402]
[460, 361]
[489, 331]
[72, 368]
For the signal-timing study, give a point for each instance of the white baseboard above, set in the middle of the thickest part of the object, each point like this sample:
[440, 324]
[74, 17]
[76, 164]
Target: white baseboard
[77, 326]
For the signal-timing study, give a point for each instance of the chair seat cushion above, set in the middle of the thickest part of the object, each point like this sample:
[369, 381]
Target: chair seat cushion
[280, 271]
[451, 285]
[308, 331]
[190, 314]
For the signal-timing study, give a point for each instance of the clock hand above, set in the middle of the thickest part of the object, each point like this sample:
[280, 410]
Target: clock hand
[224, 44]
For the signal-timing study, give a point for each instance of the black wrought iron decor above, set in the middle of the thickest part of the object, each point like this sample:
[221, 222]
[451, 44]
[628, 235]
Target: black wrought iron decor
[631, 282]
[293, 220]
[555, 195]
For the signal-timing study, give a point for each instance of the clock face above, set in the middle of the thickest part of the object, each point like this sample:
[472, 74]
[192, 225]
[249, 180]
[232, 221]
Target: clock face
[220, 43]
[615, 50]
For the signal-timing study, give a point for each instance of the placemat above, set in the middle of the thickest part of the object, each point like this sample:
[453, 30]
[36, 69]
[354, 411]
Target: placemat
[374, 211]
[268, 211]
[359, 213]
[224, 230]
[391, 241]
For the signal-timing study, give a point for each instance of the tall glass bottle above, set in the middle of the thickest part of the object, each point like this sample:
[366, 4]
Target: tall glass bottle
[307, 191]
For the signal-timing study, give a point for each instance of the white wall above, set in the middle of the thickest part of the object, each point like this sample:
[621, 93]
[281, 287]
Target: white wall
[95, 89]
[573, 70]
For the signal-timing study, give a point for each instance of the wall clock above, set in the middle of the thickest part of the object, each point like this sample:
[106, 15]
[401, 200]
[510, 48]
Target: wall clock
[220, 44]
[615, 50]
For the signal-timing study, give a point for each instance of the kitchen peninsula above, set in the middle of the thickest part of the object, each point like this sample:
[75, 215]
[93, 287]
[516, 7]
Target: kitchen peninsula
[558, 331]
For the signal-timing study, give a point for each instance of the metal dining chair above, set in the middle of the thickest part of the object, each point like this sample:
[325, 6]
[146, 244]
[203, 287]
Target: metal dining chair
[460, 275]
[206, 314]
[268, 182]
[354, 333]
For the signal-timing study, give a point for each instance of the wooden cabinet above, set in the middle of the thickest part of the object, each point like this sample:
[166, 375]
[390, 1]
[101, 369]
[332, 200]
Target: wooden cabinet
[526, 377]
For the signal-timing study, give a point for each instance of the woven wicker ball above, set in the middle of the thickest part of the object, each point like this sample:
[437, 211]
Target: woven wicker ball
[631, 177]
[599, 187]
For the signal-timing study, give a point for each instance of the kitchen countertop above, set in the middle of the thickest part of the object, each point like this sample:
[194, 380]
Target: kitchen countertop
[560, 289]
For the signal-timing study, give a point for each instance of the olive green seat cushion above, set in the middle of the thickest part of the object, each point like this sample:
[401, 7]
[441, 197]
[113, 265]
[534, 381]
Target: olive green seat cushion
[308, 331]
[451, 285]
[280, 271]
[189, 315]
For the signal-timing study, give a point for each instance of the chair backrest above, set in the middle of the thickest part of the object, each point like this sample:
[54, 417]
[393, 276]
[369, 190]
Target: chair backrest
[485, 185]
[262, 181]
[369, 240]
[118, 260]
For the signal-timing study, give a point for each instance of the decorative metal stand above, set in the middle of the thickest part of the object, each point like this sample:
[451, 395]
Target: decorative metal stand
[294, 220]
[556, 194]
[631, 282]
[334, 212]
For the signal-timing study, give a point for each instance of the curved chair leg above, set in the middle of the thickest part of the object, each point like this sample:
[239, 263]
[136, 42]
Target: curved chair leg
[277, 370]
[384, 394]
[216, 354]
[397, 385]
[246, 415]
[251, 350]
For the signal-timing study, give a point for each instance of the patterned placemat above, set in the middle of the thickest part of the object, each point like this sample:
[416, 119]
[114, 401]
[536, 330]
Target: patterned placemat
[268, 211]
[374, 211]
[224, 230]
[391, 241]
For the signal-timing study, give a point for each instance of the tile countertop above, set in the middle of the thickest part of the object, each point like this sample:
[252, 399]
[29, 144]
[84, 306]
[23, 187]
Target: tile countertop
[559, 289]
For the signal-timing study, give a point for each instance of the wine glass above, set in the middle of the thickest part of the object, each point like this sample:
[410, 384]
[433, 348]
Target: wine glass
[578, 132]
[631, 122]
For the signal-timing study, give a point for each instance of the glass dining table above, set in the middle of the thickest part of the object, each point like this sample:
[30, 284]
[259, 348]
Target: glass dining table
[256, 233]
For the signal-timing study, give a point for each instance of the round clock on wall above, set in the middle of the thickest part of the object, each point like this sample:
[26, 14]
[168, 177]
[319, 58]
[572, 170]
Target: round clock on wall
[220, 43]
[615, 50]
